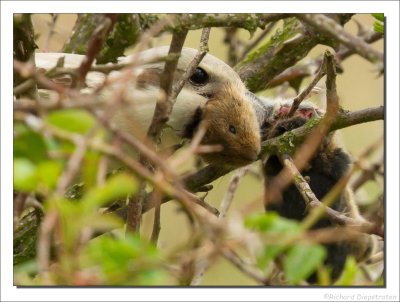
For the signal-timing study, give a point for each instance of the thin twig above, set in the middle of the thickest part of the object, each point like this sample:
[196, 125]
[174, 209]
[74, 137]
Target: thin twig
[73, 165]
[175, 191]
[312, 201]
[255, 42]
[203, 49]
[233, 185]
[156, 198]
[249, 270]
[306, 150]
[231, 38]
[334, 30]
[343, 119]
[102, 170]
[44, 240]
[19, 206]
[298, 99]
[52, 25]
[308, 68]
[95, 44]
[299, 181]
[164, 107]
[368, 173]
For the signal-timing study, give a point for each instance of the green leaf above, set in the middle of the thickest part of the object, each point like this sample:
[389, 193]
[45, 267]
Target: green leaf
[379, 27]
[74, 120]
[29, 144]
[379, 16]
[269, 253]
[271, 222]
[118, 186]
[123, 261]
[302, 260]
[349, 273]
[90, 168]
[48, 172]
[24, 175]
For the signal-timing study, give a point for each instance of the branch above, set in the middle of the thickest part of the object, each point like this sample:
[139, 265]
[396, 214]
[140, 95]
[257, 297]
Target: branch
[334, 30]
[252, 272]
[249, 22]
[24, 47]
[96, 41]
[285, 48]
[254, 43]
[233, 184]
[203, 49]
[343, 119]
[296, 73]
[164, 107]
[125, 33]
[312, 201]
[298, 99]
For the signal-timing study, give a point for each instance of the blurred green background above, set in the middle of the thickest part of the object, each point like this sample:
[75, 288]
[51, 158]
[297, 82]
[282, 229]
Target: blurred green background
[359, 86]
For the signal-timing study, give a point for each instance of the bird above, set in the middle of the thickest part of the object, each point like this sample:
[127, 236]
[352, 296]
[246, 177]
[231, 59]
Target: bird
[214, 94]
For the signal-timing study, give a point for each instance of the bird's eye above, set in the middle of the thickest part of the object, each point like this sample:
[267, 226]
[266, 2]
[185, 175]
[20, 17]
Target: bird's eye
[232, 129]
[199, 77]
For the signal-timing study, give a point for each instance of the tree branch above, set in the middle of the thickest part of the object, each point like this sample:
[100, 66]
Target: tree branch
[312, 201]
[335, 31]
[283, 50]
[164, 107]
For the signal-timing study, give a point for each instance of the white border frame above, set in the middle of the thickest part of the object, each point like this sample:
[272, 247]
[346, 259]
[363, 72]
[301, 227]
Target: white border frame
[391, 11]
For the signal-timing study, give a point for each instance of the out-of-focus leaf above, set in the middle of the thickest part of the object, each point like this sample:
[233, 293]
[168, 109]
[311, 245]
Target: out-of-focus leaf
[379, 27]
[72, 221]
[74, 120]
[90, 168]
[103, 222]
[29, 144]
[24, 175]
[116, 187]
[28, 267]
[83, 213]
[379, 16]
[128, 261]
[349, 273]
[302, 260]
[48, 173]
[269, 253]
[271, 222]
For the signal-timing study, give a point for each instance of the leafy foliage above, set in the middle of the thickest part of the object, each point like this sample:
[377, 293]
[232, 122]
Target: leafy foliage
[379, 23]
[299, 259]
